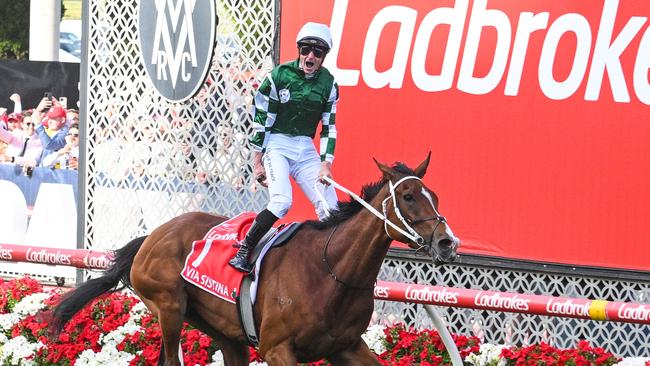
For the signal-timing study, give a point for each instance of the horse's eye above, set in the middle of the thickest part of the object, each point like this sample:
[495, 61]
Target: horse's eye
[408, 197]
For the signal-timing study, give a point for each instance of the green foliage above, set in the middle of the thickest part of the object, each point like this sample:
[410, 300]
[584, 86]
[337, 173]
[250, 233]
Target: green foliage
[14, 29]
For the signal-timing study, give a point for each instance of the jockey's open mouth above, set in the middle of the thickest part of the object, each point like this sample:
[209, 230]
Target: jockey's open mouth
[310, 66]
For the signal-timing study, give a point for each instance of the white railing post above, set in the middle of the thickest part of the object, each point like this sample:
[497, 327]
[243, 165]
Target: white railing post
[450, 345]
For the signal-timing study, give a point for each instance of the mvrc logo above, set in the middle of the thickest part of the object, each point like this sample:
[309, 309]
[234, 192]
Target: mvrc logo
[177, 42]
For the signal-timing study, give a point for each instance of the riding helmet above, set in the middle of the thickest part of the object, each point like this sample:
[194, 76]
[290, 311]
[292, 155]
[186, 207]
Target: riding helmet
[316, 34]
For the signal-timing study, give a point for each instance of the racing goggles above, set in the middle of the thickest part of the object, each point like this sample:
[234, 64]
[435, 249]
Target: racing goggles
[319, 52]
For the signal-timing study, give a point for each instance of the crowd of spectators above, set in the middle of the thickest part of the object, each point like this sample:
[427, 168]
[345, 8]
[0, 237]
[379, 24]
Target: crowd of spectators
[170, 146]
[212, 153]
[44, 136]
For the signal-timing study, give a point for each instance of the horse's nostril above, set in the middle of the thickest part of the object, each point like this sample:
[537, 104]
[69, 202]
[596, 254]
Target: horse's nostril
[445, 243]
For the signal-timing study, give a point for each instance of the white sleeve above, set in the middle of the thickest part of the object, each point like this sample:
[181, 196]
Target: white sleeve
[49, 160]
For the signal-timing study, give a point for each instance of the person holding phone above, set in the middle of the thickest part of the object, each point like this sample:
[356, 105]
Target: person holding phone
[289, 105]
[53, 136]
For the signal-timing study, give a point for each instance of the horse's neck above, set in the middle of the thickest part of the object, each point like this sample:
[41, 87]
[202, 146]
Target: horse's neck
[362, 246]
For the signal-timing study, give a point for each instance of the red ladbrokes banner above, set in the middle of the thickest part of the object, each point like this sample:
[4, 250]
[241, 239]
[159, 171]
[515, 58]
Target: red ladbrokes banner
[537, 114]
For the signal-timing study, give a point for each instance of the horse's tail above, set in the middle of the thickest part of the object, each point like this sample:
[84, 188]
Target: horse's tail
[76, 299]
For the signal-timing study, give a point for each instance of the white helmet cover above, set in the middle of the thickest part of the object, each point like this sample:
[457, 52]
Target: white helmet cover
[315, 33]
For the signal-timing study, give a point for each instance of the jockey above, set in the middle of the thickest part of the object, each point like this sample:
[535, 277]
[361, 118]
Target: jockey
[289, 104]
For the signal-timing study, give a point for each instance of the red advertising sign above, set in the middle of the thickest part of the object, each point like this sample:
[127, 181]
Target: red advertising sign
[536, 113]
[79, 258]
[514, 302]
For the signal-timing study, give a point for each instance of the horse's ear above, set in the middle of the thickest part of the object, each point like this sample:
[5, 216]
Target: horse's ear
[422, 168]
[389, 173]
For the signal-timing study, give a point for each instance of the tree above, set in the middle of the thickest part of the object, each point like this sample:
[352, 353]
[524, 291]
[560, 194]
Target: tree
[14, 28]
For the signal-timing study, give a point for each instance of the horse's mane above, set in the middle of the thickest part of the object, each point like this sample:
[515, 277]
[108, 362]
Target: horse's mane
[347, 209]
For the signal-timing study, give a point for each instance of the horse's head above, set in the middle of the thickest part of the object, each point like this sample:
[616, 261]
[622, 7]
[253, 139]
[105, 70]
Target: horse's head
[413, 208]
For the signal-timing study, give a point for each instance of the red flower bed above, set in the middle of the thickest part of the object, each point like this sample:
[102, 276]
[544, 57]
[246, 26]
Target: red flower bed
[543, 354]
[425, 348]
[13, 291]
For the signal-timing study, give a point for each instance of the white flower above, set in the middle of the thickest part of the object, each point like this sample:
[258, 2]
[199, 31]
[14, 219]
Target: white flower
[489, 355]
[132, 326]
[17, 350]
[633, 361]
[137, 312]
[217, 359]
[374, 338]
[108, 356]
[112, 339]
[7, 321]
[31, 304]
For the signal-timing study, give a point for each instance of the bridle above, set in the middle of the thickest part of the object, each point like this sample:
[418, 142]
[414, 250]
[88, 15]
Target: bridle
[410, 232]
[414, 236]
[423, 247]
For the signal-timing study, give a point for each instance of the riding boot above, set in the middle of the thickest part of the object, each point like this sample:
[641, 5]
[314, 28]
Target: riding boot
[263, 222]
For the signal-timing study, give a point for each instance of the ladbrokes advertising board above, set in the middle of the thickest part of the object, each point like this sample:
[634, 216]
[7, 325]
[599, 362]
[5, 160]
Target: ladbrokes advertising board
[536, 113]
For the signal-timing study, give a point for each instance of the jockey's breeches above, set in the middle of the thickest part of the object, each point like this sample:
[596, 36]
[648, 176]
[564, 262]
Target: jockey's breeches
[295, 157]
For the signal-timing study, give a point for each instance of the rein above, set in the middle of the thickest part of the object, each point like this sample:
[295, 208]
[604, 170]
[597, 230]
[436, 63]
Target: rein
[331, 270]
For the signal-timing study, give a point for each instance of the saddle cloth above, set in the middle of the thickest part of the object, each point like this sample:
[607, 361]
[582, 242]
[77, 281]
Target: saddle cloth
[207, 264]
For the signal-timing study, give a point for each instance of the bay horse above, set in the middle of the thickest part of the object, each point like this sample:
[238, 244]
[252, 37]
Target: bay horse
[315, 297]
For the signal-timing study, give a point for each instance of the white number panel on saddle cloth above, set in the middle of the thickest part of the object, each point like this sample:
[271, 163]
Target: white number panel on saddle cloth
[207, 266]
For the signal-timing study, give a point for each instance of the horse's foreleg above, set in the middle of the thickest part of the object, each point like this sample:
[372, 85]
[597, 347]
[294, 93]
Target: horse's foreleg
[280, 355]
[359, 354]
